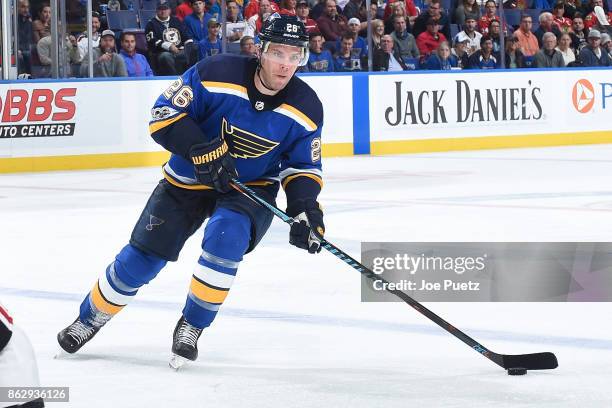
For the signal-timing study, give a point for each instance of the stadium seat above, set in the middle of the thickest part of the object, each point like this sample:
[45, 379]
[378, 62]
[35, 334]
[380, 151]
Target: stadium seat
[454, 30]
[513, 17]
[535, 15]
[149, 4]
[144, 16]
[446, 5]
[122, 19]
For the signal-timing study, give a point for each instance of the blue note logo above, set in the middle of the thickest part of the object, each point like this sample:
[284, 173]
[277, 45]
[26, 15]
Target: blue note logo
[153, 222]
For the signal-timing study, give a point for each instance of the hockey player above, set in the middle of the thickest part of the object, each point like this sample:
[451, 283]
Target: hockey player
[229, 116]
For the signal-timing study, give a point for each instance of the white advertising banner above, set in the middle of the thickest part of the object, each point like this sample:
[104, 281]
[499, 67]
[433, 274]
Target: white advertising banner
[84, 117]
[463, 104]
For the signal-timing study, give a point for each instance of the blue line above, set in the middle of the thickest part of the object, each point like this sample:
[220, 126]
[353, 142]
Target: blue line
[587, 343]
[361, 115]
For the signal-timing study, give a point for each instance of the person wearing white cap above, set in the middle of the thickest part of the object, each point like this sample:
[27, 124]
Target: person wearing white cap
[360, 48]
[106, 61]
[593, 55]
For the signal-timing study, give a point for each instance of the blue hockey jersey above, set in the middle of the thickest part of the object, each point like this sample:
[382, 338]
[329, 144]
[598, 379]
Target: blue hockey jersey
[271, 138]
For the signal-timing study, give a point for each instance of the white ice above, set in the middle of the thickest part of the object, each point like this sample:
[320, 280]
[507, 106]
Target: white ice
[293, 332]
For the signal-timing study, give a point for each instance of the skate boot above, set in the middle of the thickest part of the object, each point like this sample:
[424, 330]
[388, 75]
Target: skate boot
[184, 343]
[73, 337]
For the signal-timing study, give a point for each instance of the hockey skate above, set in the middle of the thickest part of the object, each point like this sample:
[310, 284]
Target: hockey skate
[184, 344]
[73, 337]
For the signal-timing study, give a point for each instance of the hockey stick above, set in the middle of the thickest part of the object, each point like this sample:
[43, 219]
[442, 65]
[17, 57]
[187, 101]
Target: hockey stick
[514, 363]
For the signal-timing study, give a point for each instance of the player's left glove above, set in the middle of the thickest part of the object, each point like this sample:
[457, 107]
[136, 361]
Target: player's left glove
[213, 164]
[308, 232]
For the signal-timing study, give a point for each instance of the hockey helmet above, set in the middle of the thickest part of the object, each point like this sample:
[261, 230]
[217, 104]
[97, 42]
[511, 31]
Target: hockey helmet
[287, 30]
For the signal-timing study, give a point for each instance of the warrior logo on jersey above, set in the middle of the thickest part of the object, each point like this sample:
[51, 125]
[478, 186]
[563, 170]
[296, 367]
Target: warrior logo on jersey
[243, 144]
[172, 35]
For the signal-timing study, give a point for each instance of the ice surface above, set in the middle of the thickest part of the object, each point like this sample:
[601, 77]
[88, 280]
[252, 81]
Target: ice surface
[293, 332]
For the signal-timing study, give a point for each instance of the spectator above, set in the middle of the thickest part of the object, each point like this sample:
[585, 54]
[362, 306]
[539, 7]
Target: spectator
[514, 56]
[82, 40]
[591, 19]
[459, 51]
[360, 48]
[354, 9]
[403, 41]
[563, 23]
[255, 22]
[411, 12]
[469, 33]
[136, 65]
[397, 10]
[528, 43]
[467, 9]
[106, 62]
[606, 45]
[235, 25]
[319, 9]
[515, 4]
[197, 22]
[565, 49]
[211, 45]
[113, 5]
[247, 46]
[331, 24]
[253, 8]
[602, 23]
[495, 34]
[302, 11]
[378, 30]
[548, 56]
[483, 58]
[593, 55]
[42, 27]
[319, 60]
[433, 12]
[24, 27]
[167, 38]
[442, 59]
[490, 15]
[344, 60]
[546, 26]
[386, 58]
[288, 7]
[429, 41]
[579, 34]
[183, 10]
[44, 51]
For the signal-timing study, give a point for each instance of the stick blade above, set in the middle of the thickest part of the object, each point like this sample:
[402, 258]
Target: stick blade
[535, 361]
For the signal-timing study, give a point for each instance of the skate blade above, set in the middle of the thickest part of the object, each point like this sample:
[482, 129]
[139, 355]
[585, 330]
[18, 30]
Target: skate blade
[176, 362]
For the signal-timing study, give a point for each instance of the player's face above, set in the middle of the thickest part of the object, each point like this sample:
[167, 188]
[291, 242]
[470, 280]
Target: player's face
[279, 63]
[129, 44]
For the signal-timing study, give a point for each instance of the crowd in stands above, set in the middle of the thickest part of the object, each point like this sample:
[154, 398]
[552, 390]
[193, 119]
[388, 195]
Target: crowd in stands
[139, 38]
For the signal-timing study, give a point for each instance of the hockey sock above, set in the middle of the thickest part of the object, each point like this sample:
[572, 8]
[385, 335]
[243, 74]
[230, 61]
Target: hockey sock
[226, 239]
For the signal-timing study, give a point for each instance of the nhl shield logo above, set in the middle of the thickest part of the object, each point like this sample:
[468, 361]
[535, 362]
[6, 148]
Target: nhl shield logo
[259, 105]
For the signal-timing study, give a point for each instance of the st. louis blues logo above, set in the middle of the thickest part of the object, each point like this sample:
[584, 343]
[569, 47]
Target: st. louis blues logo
[153, 222]
[243, 144]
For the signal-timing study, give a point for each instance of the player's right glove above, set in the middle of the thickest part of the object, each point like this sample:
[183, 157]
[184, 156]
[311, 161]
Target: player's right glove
[308, 232]
[213, 164]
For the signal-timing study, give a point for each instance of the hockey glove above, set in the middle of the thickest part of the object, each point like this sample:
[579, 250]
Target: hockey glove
[213, 164]
[308, 232]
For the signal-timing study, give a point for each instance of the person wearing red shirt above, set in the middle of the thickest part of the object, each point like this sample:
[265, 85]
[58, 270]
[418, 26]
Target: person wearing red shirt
[302, 11]
[564, 24]
[591, 19]
[331, 24]
[429, 40]
[490, 15]
[253, 8]
[183, 10]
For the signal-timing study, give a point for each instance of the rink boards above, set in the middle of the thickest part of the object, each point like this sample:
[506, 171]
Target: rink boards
[83, 124]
